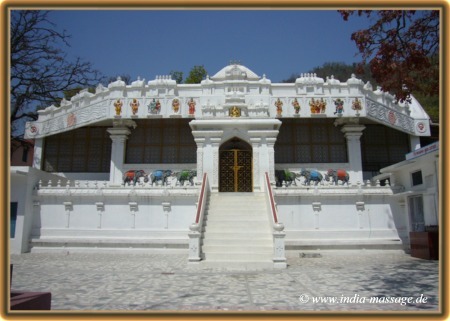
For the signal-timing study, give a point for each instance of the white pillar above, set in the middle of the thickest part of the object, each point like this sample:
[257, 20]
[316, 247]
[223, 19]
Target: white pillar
[414, 142]
[271, 157]
[37, 155]
[215, 163]
[200, 143]
[353, 134]
[257, 177]
[118, 136]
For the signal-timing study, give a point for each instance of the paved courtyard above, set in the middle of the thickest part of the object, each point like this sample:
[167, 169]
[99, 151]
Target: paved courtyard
[318, 281]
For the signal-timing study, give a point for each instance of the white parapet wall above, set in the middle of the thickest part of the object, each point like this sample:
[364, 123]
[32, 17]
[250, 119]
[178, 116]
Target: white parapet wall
[355, 216]
[93, 216]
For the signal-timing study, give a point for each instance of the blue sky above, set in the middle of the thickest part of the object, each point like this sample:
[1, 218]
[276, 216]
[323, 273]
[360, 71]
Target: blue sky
[148, 43]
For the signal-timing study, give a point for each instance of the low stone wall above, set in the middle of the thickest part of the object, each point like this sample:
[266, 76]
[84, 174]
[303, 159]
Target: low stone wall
[96, 216]
[355, 216]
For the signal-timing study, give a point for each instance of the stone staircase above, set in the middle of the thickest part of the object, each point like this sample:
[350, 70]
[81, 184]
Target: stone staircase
[237, 232]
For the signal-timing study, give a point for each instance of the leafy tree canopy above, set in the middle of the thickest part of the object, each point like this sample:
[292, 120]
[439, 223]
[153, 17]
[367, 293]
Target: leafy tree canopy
[177, 76]
[196, 75]
[402, 49]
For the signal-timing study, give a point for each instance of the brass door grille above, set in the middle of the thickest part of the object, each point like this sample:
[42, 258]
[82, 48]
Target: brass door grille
[235, 167]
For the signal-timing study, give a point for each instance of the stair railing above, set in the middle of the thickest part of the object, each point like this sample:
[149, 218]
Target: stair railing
[279, 254]
[196, 228]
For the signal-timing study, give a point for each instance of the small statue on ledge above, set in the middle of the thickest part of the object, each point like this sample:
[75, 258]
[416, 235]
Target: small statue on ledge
[235, 112]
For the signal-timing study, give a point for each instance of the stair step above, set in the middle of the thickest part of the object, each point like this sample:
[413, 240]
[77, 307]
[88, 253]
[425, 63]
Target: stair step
[238, 249]
[234, 229]
[227, 257]
[236, 242]
[235, 224]
[237, 235]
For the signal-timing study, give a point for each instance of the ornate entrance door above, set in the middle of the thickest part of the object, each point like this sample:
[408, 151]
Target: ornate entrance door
[235, 167]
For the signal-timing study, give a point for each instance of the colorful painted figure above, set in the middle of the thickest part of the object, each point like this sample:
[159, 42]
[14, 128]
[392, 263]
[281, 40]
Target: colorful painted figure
[160, 175]
[337, 175]
[356, 105]
[235, 112]
[118, 105]
[317, 106]
[134, 176]
[134, 106]
[186, 175]
[154, 107]
[279, 105]
[285, 176]
[175, 106]
[311, 175]
[191, 105]
[296, 106]
[339, 103]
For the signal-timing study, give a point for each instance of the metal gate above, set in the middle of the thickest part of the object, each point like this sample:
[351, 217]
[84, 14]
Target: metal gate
[235, 167]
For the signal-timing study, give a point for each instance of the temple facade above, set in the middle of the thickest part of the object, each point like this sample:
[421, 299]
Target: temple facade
[309, 148]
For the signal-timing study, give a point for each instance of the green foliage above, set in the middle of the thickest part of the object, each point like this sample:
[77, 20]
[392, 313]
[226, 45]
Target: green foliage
[177, 76]
[430, 103]
[196, 75]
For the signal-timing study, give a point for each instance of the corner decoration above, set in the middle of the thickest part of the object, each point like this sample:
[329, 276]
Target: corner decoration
[154, 107]
[318, 106]
[118, 106]
[235, 112]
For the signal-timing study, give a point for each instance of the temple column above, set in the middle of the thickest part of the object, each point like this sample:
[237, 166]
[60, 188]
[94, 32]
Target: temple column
[257, 181]
[215, 144]
[353, 134]
[271, 157]
[118, 136]
[37, 153]
[200, 143]
[414, 142]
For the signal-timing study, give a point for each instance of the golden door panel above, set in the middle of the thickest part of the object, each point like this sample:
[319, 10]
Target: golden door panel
[235, 171]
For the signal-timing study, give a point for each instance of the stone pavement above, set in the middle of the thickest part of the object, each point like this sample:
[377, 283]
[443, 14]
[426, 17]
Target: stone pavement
[357, 281]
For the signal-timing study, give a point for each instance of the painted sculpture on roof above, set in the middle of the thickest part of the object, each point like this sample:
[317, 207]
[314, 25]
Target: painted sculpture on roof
[339, 103]
[186, 175]
[296, 106]
[134, 176]
[285, 176]
[154, 107]
[134, 106]
[337, 175]
[311, 175]
[160, 175]
[279, 105]
[118, 106]
[317, 106]
[191, 105]
[175, 105]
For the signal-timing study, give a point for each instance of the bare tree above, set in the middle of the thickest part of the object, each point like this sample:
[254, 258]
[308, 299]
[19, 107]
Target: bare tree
[40, 68]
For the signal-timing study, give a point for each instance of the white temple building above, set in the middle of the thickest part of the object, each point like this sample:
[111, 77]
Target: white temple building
[238, 132]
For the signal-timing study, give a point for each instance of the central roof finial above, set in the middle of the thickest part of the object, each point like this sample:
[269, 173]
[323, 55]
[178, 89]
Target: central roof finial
[235, 62]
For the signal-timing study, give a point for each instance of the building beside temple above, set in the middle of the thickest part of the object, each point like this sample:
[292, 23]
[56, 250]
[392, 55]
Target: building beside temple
[230, 153]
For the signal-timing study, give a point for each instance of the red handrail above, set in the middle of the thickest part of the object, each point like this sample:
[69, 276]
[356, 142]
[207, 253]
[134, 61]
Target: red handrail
[200, 200]
[272, 202]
